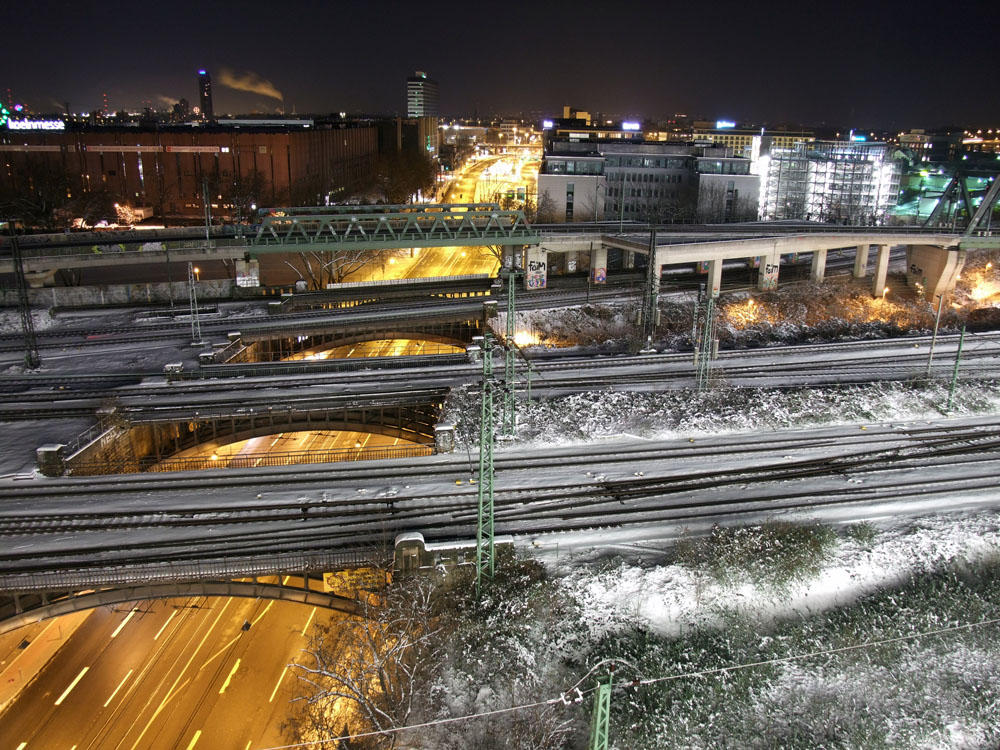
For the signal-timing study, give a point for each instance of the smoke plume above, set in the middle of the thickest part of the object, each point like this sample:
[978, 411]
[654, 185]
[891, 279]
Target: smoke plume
[249, 81]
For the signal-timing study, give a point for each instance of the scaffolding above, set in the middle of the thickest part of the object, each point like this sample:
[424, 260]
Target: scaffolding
[831, 181]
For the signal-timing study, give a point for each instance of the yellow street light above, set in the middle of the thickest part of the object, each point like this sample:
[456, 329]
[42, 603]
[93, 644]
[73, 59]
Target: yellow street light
[197, 273]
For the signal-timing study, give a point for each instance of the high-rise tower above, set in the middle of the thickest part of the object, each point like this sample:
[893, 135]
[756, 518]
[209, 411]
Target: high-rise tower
[421, 96]
[205, 89]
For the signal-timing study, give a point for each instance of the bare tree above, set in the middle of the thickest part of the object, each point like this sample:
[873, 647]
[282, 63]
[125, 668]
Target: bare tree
[38, 194]
[545, 212]
[368, 674]
[322, 267]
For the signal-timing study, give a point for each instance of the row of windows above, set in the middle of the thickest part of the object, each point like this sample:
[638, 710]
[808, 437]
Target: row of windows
[647, 162]
[640, 193]
[572, 166]
[724, 167]
[646, 177]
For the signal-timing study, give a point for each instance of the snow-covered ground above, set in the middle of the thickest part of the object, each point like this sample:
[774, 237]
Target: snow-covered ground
[667, 619]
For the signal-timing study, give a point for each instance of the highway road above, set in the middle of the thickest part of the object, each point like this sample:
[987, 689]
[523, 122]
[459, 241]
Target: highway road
[166, 674]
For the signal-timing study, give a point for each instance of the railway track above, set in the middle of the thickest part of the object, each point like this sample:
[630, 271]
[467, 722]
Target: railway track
[130, 521]
[28, 397]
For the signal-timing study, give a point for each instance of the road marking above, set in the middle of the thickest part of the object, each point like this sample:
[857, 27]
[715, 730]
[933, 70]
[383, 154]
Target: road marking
[231, 673]
[194, 739]
[160, 631]
[222, 650]
[277, 685]
[170, 692]
[124, 622]
[72, 685]
[118, 688]
[309, 621]
[22, 746]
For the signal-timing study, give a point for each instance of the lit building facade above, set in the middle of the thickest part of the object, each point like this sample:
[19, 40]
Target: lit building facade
[421, 96]
[205, 92]
[292, 162]
[744, 142]
[644, 181]
[841, 182]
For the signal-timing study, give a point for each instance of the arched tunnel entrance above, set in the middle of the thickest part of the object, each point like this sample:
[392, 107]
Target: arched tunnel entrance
[435, 338]
[394, 345]
[249, 438]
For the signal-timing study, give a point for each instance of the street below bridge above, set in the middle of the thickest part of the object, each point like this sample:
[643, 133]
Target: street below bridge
[164, 674]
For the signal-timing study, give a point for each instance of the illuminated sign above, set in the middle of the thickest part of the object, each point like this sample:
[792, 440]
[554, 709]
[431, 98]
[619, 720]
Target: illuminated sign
[723, 124]
[36, 125]
[630, 126]
[859, 138]
[4, 114]
[192, 149]
[547, 124]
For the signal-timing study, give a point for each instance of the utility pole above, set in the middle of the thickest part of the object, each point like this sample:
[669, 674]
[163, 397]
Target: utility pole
[601, 717]
[650, 293]
[196, 339]
[509, 420]
[954, 375]
[485, 549]
[937, 321]
[706, 344]
[31, 358]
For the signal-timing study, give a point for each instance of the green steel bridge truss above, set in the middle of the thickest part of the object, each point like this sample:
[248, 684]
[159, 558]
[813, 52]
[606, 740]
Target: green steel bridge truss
[389, 227]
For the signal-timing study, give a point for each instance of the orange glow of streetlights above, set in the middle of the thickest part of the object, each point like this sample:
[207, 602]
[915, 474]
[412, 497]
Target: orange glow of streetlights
[197, 273]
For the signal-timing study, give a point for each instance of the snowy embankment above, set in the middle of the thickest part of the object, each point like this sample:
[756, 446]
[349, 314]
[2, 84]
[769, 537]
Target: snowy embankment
[678, 618]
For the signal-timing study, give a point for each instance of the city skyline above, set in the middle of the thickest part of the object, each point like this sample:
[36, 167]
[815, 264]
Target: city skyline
[854, 69]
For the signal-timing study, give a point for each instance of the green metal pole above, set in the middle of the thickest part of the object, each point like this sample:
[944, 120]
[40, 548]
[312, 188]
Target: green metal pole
[651, 292]
[485, 551]
[706, 344]
[954, 375]
[509, 421]
[602, 714]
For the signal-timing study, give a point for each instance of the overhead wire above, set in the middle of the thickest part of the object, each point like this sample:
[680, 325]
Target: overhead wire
[566, 699]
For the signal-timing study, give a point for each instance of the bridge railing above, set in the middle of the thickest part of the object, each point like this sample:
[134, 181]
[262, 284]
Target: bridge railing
[195, 570]
[249, 460]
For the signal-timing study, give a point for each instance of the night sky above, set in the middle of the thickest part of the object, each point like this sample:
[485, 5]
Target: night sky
[854, 65]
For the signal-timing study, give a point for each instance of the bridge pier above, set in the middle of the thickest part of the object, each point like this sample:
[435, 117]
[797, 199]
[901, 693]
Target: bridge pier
[881, 270]
[598, 264]
[933, 268]
[818, 271]
[535, 268]
[770, 265]
[861, 261]
[714, 276]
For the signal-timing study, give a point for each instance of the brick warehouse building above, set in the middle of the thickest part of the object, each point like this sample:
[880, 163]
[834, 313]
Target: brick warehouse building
[164, 167]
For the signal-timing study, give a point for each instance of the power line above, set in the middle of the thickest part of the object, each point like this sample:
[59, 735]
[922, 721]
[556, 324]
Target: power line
[567, 700]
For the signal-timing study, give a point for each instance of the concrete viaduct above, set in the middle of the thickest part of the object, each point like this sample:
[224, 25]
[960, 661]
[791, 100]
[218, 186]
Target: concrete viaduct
[934, 259]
